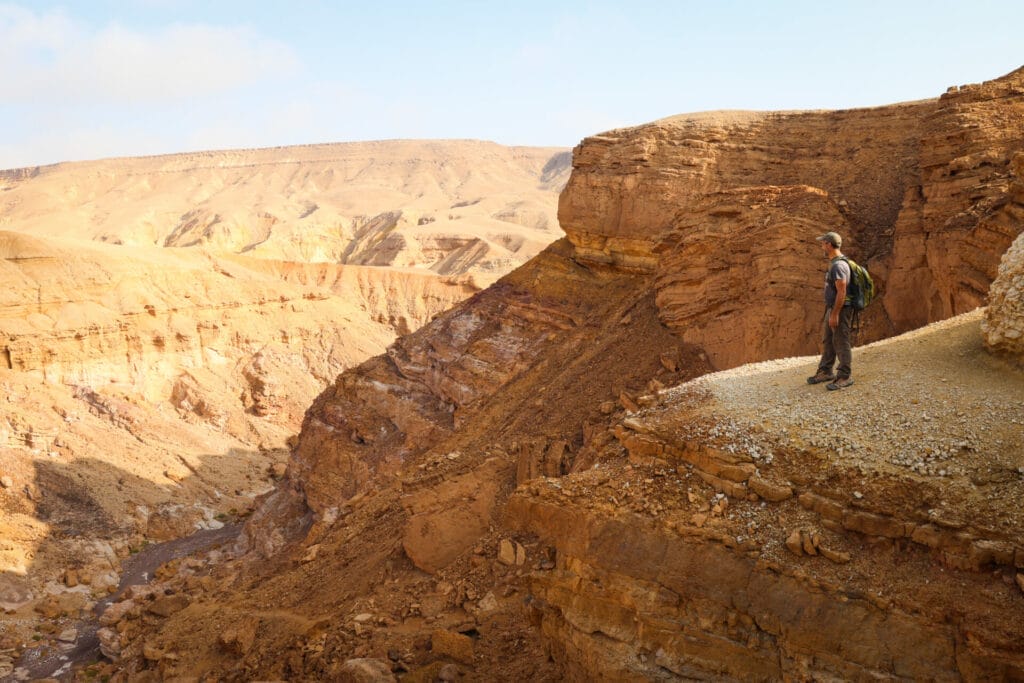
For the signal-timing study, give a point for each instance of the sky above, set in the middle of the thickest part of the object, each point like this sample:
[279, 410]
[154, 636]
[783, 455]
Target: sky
[104, 78]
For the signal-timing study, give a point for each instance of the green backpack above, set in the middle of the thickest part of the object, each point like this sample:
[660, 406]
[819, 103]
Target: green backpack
[862, 287]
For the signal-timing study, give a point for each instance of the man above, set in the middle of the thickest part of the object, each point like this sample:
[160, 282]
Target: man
[838, 318]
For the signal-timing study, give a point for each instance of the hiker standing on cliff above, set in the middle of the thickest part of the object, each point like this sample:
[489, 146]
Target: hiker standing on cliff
[839, 313]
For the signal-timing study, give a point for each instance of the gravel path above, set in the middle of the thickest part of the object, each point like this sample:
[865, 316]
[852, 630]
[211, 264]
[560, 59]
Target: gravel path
[932, 401]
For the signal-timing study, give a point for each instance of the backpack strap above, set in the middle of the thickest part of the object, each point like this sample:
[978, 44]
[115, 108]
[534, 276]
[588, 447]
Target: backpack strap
[849, 299]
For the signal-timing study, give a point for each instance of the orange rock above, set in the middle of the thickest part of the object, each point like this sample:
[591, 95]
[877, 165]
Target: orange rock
[442, 526]
[795, 542]
[770, 491]
[451, 644]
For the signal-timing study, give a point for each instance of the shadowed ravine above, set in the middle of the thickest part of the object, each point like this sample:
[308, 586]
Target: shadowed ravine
[53, 662]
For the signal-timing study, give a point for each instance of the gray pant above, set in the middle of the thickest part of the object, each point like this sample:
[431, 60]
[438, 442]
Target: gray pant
[837, 344]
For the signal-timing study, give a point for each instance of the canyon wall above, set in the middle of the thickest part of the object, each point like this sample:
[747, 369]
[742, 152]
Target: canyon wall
[533, 468]
[921, 193]
[1005, 312]
[165, 322]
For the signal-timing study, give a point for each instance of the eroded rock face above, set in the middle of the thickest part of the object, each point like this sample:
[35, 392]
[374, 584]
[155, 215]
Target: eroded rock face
[661, 534]
[738, 276]
[921, 193]
[165, 322]
[1004, 319]
[457, 207]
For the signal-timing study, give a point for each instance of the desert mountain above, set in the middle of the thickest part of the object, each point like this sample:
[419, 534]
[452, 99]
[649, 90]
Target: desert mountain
[452, 207]
[545, 482]
[166, 321]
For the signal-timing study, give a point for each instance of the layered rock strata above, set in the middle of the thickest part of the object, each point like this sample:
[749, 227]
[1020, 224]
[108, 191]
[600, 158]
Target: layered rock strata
[770, 534]
[456, 207]
[165, 322]
[525, 442]
[924, 194]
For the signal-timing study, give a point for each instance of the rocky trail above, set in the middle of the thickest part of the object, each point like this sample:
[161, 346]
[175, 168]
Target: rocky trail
[78, 644]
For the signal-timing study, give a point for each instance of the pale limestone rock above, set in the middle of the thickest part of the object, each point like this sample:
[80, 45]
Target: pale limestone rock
[110, 643]
[365, 671]
[1003, 327]
[488, 603]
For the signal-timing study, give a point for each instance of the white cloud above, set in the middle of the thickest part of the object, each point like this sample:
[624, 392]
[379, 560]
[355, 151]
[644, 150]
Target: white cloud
[51, 57]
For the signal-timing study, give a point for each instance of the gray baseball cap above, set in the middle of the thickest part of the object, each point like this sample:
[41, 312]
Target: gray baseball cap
[832, 238]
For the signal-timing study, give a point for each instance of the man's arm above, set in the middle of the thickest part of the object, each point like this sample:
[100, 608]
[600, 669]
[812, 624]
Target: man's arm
[833, 318]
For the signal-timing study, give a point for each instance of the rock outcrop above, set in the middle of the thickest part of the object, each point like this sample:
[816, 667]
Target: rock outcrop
[923, 194]
[165, 323]
[743, 525]
[1004, 317]
[749, 542]
[736, 277]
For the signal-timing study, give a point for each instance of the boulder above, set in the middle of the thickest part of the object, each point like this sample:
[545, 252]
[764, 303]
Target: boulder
[365, 670]
[448, 519]
[452, 644]
[1003, 327]
[166, 605]
[110, 643]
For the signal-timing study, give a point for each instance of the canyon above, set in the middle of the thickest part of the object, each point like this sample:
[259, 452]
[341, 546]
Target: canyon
[607, 465]
[156, 361]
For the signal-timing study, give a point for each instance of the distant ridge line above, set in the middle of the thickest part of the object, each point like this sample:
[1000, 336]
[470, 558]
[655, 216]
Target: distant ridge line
[25, 172]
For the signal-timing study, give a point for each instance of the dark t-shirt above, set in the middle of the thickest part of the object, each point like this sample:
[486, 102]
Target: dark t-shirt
[838, 269]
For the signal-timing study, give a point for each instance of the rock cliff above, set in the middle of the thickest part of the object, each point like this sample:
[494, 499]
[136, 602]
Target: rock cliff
[550, 467]
[923, 193]
[764, 533]
[1003, 318]
[154, 372]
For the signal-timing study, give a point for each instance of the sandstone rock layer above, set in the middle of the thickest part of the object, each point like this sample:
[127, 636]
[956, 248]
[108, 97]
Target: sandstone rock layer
[585, 497]
[165, 322]
[923, 193]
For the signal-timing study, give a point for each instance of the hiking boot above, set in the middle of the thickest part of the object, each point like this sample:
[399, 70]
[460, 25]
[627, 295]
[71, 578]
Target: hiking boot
[839, 384]
[820, 377]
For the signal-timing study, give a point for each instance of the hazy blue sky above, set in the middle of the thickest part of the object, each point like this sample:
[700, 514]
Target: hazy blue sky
[102, 78]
